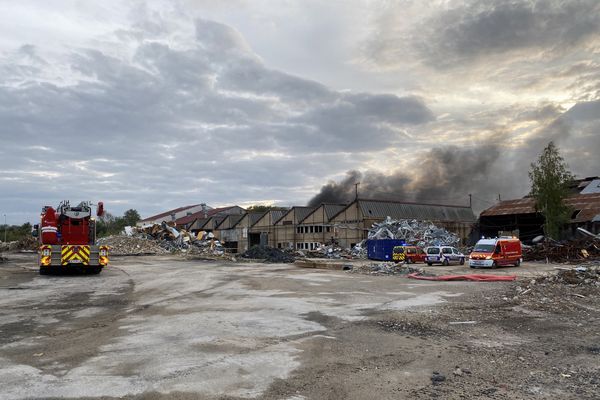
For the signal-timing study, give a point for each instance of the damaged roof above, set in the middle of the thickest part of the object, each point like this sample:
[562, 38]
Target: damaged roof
[200, 214]
[330, 210]
[167, 213]
[585, 207]
[380, 209]
[300, 213]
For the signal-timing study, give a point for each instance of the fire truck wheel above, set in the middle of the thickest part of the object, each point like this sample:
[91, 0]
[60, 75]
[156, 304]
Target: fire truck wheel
[518, 263]
[409, 261]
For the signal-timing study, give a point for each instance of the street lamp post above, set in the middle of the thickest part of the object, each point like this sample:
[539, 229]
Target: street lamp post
[5, 228]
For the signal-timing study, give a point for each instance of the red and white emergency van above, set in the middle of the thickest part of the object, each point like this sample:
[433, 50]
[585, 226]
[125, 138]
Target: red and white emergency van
[492, 253]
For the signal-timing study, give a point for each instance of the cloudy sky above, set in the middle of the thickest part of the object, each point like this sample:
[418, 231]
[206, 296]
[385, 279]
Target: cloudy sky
[154, 105]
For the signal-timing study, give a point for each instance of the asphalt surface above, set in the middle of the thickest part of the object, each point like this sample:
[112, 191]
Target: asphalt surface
[163, 327]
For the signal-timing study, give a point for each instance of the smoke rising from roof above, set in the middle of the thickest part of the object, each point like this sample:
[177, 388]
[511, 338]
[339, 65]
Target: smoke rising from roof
[446, 175]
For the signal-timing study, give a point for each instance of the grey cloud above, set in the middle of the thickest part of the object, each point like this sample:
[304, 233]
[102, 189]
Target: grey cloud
[472, 30]
[158, 122]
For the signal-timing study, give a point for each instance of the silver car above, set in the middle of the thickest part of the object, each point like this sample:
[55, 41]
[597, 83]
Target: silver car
[444, 255]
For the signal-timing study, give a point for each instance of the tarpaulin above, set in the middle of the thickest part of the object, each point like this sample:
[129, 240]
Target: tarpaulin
[468, 277]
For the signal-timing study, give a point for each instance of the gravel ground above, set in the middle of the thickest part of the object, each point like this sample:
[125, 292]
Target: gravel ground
[162, 328]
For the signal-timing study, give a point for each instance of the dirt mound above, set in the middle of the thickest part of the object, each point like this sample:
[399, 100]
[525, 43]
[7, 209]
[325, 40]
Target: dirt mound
[269, 254]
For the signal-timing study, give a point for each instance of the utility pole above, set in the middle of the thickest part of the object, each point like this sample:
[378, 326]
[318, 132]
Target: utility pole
[5, 228]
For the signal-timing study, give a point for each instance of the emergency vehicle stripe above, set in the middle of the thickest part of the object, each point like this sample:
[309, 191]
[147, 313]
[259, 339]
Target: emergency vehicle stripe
[82, 254]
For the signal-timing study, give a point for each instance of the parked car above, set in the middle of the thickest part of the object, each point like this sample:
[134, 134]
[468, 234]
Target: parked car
[492, 253]
[444, 255]
[410, 254]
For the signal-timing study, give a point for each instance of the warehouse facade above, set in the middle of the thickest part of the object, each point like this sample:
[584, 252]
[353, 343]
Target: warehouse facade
[351, 225]
[305, 228]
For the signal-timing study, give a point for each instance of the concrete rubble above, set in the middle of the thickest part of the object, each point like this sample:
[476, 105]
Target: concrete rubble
[27, 243]
[163, 239]
[385, 268]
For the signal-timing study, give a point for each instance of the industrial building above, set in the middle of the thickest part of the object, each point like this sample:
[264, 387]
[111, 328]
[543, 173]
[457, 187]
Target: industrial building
[304, 228]
[521, 217]
[172, 215]
[352, 223]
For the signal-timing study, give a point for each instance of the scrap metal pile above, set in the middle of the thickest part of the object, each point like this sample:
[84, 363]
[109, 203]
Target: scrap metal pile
[162, 239]
[587, 248]
[419, 233]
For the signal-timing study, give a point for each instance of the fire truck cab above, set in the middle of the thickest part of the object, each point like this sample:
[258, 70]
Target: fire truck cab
[67, 238]
[492, 253]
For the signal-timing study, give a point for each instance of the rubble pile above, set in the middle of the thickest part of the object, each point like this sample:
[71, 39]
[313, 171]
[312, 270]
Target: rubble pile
[564, 251]
[268, 255]
[329, 251]
[582, 275]
[122, 245]
[8, 246]
[27, 243]
[162, 239]
[419, 233]
[385, 268]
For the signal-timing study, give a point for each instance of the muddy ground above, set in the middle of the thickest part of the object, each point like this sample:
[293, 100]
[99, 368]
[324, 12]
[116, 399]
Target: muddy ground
[162, 327]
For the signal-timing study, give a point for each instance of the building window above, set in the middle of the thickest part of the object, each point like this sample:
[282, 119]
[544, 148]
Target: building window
[328, 229]
[299, 229]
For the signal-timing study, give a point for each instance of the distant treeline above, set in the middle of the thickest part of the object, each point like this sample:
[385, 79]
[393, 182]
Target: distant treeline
[15, 232]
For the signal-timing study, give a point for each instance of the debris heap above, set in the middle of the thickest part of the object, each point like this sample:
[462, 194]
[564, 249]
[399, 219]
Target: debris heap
[329, 251]
[268, 255]
[419, 233]
[385, 268]
[581, 275]
[122, 245]
[564, 251]
[161, 239]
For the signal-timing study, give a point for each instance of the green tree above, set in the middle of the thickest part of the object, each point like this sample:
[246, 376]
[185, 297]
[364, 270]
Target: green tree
[550, 180]
[131, 217]
[105, 224]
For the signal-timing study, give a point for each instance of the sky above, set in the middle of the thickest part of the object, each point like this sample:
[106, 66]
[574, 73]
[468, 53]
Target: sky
[153, 105]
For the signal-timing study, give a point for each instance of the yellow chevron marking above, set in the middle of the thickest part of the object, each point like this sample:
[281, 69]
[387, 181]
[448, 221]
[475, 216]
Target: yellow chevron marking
[69, 254]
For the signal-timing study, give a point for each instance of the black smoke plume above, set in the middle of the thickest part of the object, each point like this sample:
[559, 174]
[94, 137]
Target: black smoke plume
[445, 175]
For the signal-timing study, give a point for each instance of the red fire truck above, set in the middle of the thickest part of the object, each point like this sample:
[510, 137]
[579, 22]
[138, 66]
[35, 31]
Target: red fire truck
[67, 237]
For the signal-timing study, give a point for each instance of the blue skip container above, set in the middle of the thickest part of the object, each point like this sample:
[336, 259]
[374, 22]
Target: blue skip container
[382, 249]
